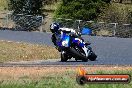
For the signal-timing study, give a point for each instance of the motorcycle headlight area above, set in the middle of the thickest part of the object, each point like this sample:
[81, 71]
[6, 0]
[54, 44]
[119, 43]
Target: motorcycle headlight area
[65, 43]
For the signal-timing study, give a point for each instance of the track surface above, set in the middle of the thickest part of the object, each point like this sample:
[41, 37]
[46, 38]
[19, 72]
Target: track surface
[110, 50]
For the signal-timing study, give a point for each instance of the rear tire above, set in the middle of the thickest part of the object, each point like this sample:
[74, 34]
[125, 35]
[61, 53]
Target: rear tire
[64, 57]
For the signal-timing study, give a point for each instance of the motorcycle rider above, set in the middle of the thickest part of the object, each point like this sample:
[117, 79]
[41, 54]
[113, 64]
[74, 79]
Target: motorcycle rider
[57, 32]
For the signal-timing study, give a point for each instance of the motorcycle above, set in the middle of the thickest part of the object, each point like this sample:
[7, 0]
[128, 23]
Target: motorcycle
[74, 47]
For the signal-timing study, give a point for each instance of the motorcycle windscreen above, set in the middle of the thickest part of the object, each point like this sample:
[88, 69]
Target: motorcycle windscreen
[78, 41]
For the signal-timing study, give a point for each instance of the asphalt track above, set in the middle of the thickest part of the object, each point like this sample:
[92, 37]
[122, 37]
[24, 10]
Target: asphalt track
[110, 50]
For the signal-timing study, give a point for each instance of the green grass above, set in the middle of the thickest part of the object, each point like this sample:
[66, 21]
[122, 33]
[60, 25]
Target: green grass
[65, 80]
[11, 51]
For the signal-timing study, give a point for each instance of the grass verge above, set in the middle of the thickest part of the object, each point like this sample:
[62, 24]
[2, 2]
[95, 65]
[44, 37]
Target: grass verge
[61, 78]
[11, 51]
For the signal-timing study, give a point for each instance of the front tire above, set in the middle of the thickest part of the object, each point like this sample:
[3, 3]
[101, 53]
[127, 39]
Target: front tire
[92, 57]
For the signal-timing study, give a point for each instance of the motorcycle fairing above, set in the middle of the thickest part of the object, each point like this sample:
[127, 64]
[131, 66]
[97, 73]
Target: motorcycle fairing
[79, 42]
[64, 39]
[82, 45]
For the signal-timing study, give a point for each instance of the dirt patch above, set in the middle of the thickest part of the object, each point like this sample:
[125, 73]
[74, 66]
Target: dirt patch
[15, 73]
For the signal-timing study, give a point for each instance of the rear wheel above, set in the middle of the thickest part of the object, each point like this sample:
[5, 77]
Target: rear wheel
[64, 57]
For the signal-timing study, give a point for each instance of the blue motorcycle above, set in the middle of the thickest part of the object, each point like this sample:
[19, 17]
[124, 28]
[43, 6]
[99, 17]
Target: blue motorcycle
[72, 47]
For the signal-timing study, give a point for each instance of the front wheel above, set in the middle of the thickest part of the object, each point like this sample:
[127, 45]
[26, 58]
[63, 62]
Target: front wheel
[92, 57]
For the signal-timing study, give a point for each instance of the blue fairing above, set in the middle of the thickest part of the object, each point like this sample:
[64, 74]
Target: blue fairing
[64, 37]
[80, 44]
